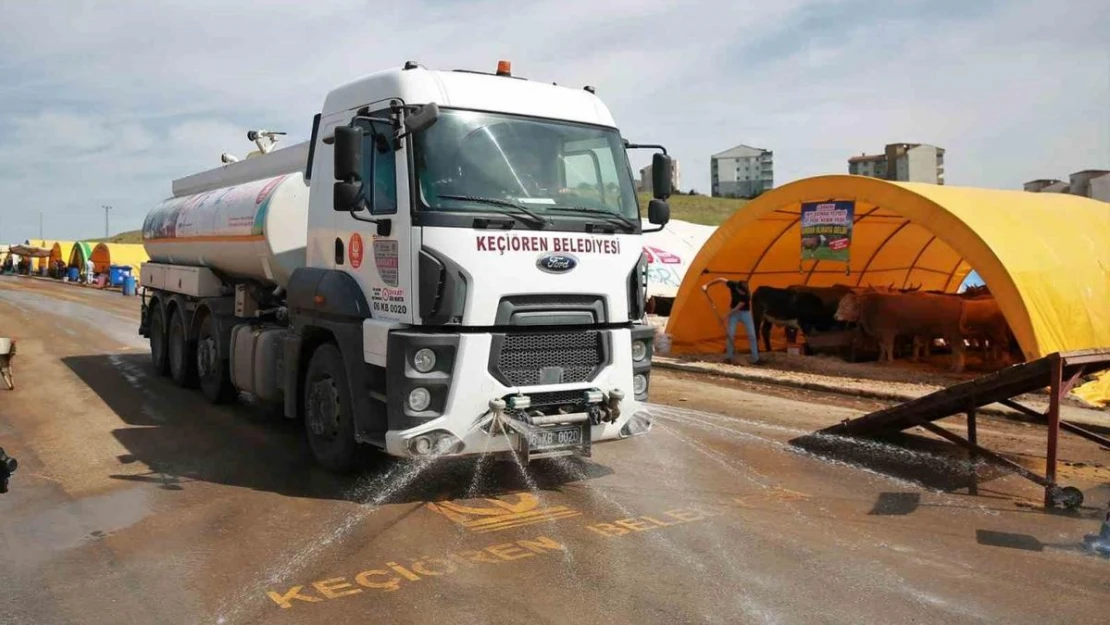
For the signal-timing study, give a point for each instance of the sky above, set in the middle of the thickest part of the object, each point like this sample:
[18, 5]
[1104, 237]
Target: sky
[105, 104]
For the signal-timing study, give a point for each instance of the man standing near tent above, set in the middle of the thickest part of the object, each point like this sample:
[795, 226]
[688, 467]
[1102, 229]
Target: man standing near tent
[739, 310]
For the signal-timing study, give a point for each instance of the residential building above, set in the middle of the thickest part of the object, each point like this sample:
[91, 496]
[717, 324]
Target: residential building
[1041, 184]
[1100, 188]
[1092, 183]
[742, 171]
[1079, 183]
[646, 180]
[909, 162]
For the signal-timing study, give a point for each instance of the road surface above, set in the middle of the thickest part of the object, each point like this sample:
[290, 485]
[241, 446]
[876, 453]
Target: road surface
[136, 502]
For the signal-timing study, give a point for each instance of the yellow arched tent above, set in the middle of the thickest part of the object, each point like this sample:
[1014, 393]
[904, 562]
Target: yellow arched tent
[1045, 256]
[58, 251]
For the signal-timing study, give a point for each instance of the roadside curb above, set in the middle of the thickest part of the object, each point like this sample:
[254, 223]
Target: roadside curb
[994, 409]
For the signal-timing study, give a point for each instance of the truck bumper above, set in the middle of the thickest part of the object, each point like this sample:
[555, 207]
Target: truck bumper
[469, 396]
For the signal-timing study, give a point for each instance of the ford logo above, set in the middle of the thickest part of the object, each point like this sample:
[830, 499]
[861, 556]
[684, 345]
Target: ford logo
[556, 263]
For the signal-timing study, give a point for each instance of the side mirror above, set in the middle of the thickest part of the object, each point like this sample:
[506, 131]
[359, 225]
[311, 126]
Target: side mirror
[661, 165]
[347, 197]
[659, 212]
[348, 153]
[422, 118]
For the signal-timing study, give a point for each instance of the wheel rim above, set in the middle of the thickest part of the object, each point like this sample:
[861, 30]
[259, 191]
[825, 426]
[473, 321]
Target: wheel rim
[177, 345]
[206, 356]
[324, 409]
[156, 336]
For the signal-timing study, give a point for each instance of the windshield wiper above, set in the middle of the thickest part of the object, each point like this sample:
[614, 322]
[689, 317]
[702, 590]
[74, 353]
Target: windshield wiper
[534, 217]
[629, 224]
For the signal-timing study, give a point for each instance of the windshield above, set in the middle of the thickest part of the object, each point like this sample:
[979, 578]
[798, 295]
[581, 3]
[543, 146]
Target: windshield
[467, 157]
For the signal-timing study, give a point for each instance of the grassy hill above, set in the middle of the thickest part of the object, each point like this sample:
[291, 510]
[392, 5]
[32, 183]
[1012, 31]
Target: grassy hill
[698, 209]
[131, 236]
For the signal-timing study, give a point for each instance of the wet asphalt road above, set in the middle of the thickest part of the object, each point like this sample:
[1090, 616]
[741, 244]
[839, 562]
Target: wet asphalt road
[136, 502]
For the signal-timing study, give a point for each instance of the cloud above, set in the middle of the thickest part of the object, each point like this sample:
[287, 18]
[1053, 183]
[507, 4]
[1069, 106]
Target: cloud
[107, 105]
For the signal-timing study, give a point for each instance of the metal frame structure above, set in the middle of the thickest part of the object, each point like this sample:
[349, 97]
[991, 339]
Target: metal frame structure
[1059, 372]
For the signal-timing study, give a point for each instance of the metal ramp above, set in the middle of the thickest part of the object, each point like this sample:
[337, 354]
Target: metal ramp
[1059, 371]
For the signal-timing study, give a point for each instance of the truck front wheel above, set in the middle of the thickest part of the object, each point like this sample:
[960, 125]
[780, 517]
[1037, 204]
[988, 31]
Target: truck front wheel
[182, 355]
[212, 371]
[328, 420]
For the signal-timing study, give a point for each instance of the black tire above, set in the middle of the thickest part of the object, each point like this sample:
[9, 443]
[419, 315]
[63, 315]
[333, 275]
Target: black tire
[181, 352]
[212, 371]
[328, 418]
[1068, 497]
[158, 340]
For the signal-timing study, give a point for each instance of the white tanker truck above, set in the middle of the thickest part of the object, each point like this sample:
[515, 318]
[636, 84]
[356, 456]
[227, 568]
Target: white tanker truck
[451, 265]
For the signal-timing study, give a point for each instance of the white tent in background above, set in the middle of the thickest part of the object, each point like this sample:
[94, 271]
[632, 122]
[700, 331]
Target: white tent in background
[670, 252]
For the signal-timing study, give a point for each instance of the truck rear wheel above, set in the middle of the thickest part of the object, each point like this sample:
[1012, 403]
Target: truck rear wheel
[182, 355]
[158, 340]
[328, 419]
[212, 371]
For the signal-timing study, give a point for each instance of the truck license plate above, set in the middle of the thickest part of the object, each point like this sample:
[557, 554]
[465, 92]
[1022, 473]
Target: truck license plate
[555, 437]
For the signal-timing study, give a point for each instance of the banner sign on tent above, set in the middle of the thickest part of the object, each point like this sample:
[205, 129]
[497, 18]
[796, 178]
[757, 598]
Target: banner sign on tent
[827, 230]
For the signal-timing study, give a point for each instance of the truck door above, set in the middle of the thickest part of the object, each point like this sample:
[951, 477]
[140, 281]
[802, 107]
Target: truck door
[380, 259]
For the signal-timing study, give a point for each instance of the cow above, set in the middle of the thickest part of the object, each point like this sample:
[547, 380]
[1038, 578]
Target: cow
[790, 308]
[829, 295]
[811, 243]
[976, 291]
[885, 316]
[983, 320]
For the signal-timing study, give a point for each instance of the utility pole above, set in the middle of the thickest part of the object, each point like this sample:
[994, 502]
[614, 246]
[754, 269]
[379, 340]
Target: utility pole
[40, 226]
[106, 209]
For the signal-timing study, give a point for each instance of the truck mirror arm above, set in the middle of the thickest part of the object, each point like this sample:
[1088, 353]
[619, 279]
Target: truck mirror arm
[639, 146]
[384, 224]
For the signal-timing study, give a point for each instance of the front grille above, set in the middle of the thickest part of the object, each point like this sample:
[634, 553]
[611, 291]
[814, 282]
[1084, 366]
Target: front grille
[522, 357]
[558, 398]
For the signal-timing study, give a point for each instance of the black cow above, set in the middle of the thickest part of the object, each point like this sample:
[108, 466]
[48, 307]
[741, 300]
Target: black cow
[790, 308]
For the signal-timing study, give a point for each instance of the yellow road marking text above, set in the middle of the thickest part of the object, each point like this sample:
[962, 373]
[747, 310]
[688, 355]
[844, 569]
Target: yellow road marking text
[393, 575]
[632, 525]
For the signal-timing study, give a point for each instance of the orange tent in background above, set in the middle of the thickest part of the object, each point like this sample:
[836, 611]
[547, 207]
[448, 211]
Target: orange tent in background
[100, 257]
[59, 251]
[1044, 255]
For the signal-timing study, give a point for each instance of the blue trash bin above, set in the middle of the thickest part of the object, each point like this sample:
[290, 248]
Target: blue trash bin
[115, 275]
[73, 274]
[129, 285]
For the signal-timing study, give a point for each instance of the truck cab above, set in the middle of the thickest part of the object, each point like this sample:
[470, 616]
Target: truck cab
[473, 278]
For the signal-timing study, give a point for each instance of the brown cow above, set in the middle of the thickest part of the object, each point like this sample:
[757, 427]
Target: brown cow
[983, 320]
[885, 316]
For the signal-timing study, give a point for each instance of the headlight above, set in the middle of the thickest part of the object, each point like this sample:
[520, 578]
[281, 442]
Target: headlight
[639, 384]
[424, 360]
[639, 350]
[422, 445]
[420, 398]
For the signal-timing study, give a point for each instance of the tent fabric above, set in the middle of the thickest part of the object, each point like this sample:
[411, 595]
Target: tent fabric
[129, 254]
[670, 252]
[1096, 392]
[1044, 255]
[58, 250]
[79, 254]
[29, 251]
[100, 257]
